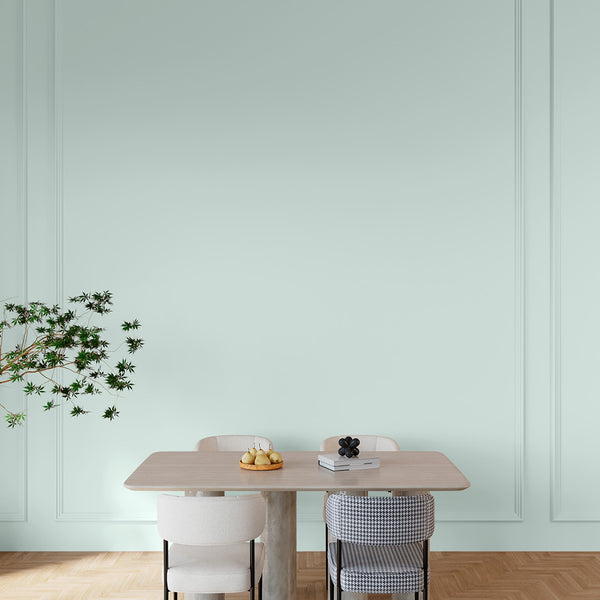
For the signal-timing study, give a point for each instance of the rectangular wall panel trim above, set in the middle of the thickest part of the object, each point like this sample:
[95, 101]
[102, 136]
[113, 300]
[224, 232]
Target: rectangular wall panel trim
[513, 512]
[558, 513]
[21, 152]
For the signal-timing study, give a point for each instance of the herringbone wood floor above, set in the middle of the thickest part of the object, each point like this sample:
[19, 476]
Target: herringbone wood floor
[454, 576]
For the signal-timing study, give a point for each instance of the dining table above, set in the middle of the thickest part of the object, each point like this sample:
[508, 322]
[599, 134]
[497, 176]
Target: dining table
[402, 473]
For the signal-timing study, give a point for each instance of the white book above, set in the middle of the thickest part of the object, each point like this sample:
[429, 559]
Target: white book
[333, 458]
[350, 466]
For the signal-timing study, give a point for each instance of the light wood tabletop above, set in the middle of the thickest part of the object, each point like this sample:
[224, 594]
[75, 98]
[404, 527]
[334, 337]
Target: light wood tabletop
[405, 470]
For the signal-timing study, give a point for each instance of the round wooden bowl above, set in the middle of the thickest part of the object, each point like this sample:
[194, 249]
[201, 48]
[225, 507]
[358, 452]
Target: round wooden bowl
[271, 467]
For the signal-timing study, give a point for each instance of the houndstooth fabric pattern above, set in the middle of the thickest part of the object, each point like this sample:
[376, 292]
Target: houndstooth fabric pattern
[380, 520]
[379, 569]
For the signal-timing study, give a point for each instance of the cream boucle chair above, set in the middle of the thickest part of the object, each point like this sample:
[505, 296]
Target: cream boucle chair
[209, 544]
[233, 443]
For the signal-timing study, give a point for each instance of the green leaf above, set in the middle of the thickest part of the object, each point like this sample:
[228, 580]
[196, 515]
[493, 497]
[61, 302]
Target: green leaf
[14, 419]
[76, 411]
[30, 389]
[124, 365]
[110, 413]
[134, 344]
[129, 325]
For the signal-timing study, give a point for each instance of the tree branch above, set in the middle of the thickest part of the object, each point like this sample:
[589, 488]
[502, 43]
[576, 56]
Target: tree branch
[38, 371]
[23, 353]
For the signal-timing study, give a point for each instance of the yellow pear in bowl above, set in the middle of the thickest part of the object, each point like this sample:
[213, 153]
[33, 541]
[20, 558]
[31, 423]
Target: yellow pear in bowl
[262, 459]
[253, 451]
[275, 458]
[248, 458]
[269, 451]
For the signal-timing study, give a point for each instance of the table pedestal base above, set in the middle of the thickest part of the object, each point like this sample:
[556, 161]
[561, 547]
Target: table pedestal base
[279, 537]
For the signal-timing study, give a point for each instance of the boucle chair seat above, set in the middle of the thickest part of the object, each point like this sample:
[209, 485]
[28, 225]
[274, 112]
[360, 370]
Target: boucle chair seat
[213, 569]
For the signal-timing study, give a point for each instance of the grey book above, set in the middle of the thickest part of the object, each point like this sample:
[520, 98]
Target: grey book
[335, 462]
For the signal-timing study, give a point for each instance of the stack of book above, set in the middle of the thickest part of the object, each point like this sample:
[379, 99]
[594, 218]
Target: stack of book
[334, 462]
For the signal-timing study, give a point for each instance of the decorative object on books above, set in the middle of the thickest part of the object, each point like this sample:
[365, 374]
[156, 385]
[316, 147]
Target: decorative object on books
[348, 446]
[261, 460]
[48, 340]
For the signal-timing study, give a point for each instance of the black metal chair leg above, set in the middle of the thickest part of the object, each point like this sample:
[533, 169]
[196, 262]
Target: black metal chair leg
[425, 567]
[339, 570]
[175, 595]
[165, 568]
[260, 588]
[326, 561]
[252, 582]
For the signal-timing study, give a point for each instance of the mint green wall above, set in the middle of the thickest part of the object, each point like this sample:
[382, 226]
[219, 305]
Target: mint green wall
[380, 218]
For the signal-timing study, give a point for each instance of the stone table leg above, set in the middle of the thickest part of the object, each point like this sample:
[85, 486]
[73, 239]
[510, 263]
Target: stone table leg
[279, 537]
[204, 596]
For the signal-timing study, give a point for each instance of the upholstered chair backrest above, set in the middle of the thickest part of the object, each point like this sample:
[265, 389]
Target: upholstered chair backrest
[380, 520]
[368, 443]
[194, 520]
[233, 443]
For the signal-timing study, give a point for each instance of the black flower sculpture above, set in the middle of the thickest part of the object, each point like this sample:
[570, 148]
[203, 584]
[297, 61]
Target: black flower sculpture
[348, 447]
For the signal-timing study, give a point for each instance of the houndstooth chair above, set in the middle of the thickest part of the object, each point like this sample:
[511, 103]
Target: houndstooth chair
[368, 443]
[382, 544]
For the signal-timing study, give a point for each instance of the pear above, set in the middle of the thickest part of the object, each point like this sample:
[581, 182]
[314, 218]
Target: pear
[276, 458]
[253, 451]
[269, 451]
[262, 459]
[248, 458]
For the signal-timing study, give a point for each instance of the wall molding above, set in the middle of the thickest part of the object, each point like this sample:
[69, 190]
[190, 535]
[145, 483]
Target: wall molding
[555, 326]
[515, 512]
[557, 512]
[519, 299]
[20, 516]
[56, 102]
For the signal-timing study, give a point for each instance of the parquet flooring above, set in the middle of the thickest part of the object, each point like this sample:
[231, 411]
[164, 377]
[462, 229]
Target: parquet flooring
[455, 576]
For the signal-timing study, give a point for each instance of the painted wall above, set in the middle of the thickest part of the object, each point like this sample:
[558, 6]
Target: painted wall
[330, 217]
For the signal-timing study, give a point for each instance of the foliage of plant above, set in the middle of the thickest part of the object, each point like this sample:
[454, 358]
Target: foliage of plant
[53, 340]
